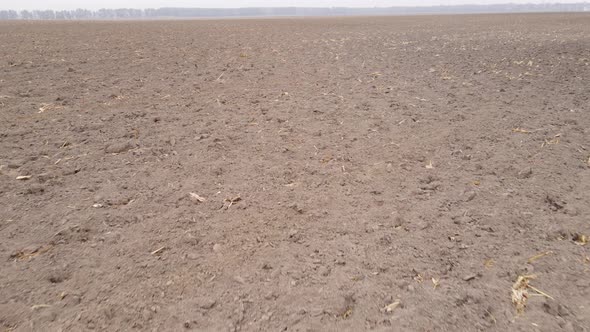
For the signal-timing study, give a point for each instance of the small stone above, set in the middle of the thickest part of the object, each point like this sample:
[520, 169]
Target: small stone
[207, 303]
[16, 163]
[71, 171]
[49, 315]
[217, 247]
[571, 211]
[71, 300]
[108, 312]
[118, 147]
[403, 284]
[192, 256]
[296, 208]
[398, 221]
[525, 173]
[147, 315]
[550, 308]
[562, 310]
[470, 195]
[470, 277]
[35, 189]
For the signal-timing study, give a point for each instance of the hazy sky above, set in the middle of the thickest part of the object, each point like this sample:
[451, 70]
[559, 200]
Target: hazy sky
[96, 4]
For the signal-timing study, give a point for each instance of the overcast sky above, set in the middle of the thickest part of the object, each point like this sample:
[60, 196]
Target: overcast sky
[97, 4]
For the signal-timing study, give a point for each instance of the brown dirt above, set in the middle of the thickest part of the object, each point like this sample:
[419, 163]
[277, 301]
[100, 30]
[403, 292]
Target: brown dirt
[323, 128]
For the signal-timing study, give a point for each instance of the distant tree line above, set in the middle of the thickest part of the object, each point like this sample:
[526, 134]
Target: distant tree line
[78, 14]
[129, 13]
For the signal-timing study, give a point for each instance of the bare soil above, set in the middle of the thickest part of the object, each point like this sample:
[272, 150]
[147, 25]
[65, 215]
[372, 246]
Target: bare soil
[337, 166]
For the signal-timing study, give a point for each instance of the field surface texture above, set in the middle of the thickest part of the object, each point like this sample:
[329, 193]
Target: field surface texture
[341, 174]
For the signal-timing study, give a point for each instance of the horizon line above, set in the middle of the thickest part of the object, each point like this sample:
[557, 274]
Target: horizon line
[321, 7]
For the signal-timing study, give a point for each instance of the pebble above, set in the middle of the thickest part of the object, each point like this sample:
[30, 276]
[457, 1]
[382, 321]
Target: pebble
[49, 315]
[71, 300]
[292, 233]
[525, 173]
[403, 284]
[470, 277]
[16, 164]
[389, 168]
[192, 255]
[271, 296]
[296, 208]
[147, 315]
[35, 189]
[571, 211]
[562, 310]
[470, 195]
[118, 147]
[207, 303]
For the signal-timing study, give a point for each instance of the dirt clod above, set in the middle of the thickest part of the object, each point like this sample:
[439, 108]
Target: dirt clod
[118, 147]
[207, 303]
[525, 173]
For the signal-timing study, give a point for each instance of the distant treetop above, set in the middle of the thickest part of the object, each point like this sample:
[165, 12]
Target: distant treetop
[128, 13]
